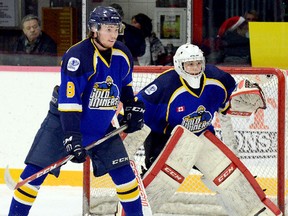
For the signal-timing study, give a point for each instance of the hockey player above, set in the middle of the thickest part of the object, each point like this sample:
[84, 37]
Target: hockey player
[96, 74]
[187, 95]
[180, 105]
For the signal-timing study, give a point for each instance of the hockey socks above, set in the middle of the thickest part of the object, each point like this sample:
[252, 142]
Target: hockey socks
[25, 196]
[127, 190]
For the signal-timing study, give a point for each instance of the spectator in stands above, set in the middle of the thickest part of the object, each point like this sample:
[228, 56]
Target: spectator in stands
[34, 40]
[155, 53]
[234, 36]
[133, 37]
[251, 15]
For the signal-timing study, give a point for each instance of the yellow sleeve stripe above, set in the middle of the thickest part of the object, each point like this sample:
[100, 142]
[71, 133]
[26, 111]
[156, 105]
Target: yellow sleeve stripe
[70, 107]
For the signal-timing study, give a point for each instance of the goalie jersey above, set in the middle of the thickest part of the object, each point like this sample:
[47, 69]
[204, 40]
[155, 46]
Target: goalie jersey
[91, 86]
[170, 101]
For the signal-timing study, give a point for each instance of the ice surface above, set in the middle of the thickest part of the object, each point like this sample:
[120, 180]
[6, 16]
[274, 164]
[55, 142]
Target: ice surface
[51, 200]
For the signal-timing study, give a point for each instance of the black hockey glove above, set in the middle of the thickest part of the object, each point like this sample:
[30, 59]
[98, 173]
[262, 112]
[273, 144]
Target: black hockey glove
[133, 115]
[73, 146]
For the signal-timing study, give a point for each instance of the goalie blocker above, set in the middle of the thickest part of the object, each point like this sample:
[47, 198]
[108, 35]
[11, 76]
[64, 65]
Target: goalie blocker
[224, 173]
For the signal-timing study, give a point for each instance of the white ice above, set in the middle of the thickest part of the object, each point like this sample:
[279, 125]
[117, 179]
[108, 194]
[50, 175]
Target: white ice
[58, 201]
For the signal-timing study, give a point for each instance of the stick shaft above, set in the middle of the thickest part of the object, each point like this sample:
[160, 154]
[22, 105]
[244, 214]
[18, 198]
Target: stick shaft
[63, 160]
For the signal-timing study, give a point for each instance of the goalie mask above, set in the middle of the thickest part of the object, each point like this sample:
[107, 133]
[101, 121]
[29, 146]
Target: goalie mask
[189, 53]
[105, 16]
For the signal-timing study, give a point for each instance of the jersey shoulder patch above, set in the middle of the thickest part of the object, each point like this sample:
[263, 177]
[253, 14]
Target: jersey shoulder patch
[167, 82]
[78, 56]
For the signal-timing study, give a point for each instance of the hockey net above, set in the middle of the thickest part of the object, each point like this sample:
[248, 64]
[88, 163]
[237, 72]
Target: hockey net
[261, 139]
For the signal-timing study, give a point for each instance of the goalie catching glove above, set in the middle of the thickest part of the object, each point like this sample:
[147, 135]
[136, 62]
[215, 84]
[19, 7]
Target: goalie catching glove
[73, 146]
[133, 115]
[247, 98]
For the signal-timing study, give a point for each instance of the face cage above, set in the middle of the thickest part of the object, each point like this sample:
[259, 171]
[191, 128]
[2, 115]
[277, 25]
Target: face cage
[95, 27]
[194, 59]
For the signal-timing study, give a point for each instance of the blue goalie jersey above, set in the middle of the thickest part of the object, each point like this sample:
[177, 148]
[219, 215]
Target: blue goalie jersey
[92, 86]
[170, 102]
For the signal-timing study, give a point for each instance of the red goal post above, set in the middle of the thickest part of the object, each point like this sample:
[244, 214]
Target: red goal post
[261, 140]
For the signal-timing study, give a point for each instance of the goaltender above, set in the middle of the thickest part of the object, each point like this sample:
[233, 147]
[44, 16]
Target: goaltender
[179, 108]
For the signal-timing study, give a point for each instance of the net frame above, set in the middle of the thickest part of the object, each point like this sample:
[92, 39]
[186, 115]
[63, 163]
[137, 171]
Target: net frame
[281, 126]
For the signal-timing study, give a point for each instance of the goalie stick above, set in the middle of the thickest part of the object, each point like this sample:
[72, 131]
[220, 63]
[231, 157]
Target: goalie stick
[13, 185]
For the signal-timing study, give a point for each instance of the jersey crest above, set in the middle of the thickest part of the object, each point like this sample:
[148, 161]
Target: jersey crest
[104, 95]
[197, 120]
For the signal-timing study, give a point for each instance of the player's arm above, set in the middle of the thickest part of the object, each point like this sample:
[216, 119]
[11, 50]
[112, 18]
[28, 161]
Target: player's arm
[70, 107]
[133, 108]
[156, 105]
[73, 137]
[72, 142]
[243, 99]
[227, 132]
[127, 93]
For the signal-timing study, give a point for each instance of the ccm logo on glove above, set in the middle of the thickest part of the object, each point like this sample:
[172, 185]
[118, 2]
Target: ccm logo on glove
[134, 115]
[73, 146]
[135, 109]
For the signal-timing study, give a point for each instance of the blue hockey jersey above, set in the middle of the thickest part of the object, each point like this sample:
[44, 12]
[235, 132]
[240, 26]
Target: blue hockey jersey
[170, 102]
[92, 86]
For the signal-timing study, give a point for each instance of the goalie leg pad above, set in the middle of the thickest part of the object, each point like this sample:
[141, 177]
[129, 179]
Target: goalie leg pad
[171, 166]
[229, 177]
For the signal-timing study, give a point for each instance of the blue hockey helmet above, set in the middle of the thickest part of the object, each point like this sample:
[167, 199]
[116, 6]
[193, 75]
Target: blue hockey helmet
[102, 15]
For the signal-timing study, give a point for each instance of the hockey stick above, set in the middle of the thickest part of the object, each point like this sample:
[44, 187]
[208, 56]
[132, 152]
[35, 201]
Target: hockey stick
[147, 211]
[13, 185]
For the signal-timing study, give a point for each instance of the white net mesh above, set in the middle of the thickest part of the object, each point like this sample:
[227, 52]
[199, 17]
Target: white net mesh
[259, 139]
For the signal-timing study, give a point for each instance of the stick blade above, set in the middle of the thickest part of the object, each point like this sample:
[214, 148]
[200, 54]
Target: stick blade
[11, 184]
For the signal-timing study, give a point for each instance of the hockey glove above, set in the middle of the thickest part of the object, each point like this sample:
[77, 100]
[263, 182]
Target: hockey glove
[133, 115]
[73, 146]
[247, 98]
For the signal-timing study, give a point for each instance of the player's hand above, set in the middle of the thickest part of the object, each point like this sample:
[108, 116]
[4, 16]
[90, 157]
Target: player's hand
[133, 115]
[73, 146]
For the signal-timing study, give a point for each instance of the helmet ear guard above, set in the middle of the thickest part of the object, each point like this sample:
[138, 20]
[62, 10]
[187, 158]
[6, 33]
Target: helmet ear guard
[189, 52]
[121, 29]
